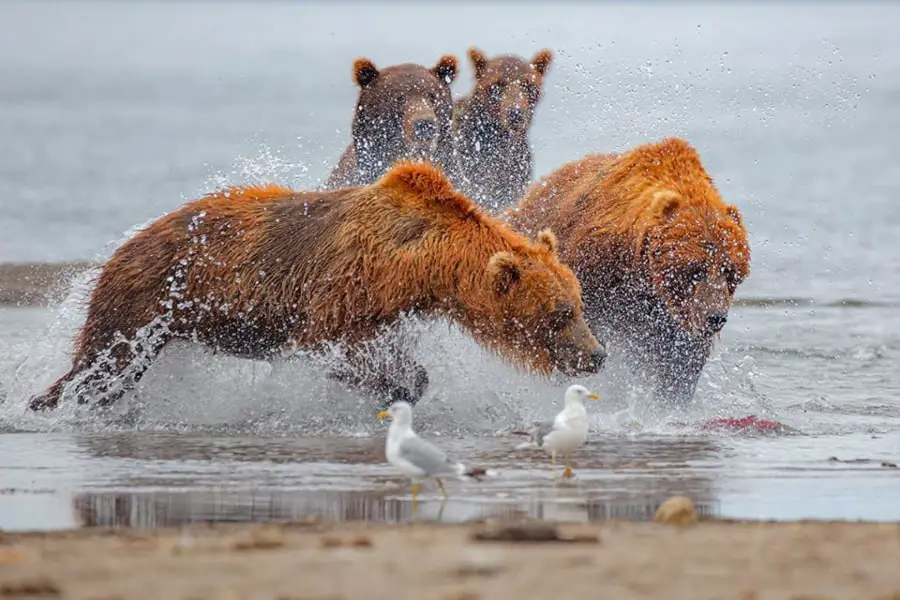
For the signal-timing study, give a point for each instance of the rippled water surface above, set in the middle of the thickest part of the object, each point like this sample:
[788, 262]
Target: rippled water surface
[113, 113]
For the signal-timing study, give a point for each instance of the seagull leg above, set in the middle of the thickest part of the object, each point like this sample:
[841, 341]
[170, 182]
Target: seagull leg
[553, 462]
[567, 472]
[415, 493]
[441, 485]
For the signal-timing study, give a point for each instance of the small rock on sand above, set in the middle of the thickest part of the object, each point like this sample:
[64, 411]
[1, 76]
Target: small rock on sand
[261, 540]
[30, 588]
[528, 532]
[10, 556]
[330, 541]
[677, 510]
[479, 562]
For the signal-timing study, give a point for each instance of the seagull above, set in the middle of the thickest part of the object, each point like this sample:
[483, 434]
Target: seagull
[416, 458]
[566, 431]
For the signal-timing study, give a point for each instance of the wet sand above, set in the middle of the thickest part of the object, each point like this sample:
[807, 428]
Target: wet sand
[324, 560]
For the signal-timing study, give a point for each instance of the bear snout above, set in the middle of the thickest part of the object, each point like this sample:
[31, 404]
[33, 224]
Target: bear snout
[580, 353]
[515, 117]
[420, 126]
[598, 358]
[591, 362]
[716, 321]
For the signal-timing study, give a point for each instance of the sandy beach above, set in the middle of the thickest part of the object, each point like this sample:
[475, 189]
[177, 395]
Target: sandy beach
[321, 560]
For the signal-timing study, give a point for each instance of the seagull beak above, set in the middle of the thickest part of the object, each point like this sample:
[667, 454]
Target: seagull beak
[593, 396]
[382, 415]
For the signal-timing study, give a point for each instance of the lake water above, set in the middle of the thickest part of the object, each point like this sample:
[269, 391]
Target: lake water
[113, 113]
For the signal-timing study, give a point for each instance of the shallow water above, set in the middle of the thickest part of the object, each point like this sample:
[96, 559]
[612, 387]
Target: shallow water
[175, 466]
[156, 479]
[121, 111]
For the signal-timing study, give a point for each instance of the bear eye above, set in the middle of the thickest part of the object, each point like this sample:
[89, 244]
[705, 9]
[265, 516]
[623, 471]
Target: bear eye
[695, 273]
[531, 92]
[562, 316]
[495, 90]
[731, 276]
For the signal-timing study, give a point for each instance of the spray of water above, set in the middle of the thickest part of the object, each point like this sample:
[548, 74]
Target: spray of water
[187, 387]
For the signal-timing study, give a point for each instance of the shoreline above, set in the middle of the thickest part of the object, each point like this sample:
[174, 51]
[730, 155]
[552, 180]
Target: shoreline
[35, 284]
[313, 558]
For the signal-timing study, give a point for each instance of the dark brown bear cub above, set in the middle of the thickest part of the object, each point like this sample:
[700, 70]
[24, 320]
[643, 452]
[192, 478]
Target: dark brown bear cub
[491, 127]
[255, 272]
[403, 112]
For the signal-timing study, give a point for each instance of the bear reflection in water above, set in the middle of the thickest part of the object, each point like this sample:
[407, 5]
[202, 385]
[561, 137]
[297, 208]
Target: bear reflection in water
[619, 478]
[175, 509]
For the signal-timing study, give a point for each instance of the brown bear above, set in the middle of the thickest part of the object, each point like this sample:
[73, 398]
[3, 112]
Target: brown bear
[490, 127]
[658, 253]
[255, 272]
[402, 112]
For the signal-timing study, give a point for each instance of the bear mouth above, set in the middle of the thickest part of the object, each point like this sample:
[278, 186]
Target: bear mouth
[515, 121]
[582, 366]
[421, 150]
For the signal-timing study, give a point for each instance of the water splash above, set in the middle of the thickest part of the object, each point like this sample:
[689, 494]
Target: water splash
[267, 166]
[187, 387]
[471, 391]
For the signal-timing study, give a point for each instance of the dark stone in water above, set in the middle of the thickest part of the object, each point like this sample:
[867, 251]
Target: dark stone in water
[884, 463]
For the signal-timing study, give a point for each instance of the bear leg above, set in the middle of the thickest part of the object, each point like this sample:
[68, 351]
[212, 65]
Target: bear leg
[103, 376]
[49, 399]
[391, 376]
[677, 373]
[138, 361]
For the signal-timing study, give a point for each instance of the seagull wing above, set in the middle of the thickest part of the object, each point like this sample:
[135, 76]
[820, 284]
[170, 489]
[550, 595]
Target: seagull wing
[542, 430]
[426, 456]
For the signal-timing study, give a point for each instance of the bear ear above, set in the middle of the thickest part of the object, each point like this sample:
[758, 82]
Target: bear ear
[430, 185]
[664, 205]
[505, 270]
[479, 61]
[364, 72]
[547, 239]
[735, 215]
[446, 69]
[541, 61]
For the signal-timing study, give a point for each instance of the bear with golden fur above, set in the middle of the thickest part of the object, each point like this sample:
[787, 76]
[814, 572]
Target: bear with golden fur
[658, 252]
[259, 272]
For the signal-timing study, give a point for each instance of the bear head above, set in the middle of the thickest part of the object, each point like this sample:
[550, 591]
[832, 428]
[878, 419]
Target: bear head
[536, 315]
[695, 255]
[508, 88]
[403, 111]
[511, 293]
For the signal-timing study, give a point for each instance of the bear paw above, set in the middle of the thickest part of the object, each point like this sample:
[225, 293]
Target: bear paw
[420, 384]
[404, 394]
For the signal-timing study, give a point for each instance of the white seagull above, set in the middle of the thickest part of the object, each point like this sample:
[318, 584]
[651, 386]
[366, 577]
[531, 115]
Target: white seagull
[417, 458]
[566, 432]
